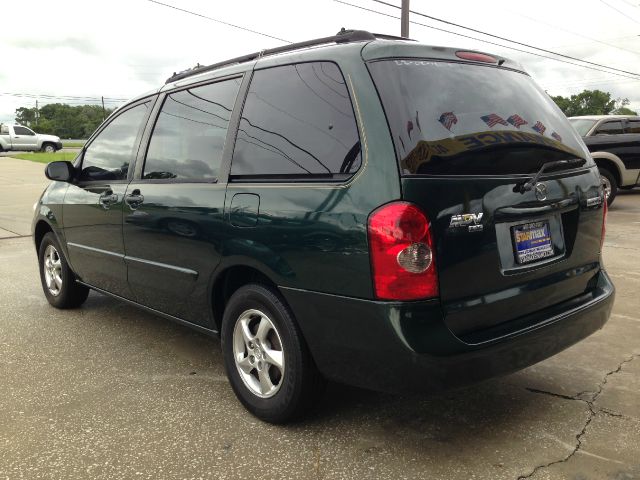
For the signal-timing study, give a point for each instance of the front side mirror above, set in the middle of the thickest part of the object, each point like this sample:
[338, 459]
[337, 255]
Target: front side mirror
[60, 171]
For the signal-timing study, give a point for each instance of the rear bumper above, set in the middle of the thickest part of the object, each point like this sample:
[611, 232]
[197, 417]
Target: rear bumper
[407, 346]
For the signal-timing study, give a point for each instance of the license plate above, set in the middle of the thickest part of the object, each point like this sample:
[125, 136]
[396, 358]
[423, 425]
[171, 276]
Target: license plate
[532, 241]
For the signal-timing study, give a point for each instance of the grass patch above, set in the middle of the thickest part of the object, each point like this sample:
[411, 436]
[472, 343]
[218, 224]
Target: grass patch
[42, 157]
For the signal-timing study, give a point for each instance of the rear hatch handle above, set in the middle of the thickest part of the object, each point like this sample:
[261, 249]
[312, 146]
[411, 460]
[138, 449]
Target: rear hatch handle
[561, 205]
[569, 163]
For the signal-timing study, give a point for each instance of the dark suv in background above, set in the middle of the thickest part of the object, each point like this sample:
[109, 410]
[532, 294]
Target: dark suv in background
[614, 143]
[355, 208]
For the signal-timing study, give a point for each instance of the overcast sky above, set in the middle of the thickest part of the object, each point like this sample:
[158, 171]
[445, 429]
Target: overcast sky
[119, 49]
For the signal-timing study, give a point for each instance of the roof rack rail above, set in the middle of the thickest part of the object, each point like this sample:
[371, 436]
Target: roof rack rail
[343, 36]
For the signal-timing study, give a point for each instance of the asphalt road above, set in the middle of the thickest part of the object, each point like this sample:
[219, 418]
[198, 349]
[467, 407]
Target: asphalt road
[108, 391]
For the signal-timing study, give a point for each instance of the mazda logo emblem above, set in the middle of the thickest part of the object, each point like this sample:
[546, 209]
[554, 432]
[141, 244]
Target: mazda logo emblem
[541, 191]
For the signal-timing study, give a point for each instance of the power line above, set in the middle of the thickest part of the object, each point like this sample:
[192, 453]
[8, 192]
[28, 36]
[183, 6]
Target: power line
[575, 44]
[573, 33]
[219, 21]
[576, 81]
[447, 22]
[486, 41]
[620, 12]
[59, 97]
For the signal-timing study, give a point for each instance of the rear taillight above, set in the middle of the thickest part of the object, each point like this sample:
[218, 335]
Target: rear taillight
[402, 253]
[605, 210]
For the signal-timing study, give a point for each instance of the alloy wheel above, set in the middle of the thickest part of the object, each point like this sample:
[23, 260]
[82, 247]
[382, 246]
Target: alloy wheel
[258, 353]
[607, 186]
[52, 267]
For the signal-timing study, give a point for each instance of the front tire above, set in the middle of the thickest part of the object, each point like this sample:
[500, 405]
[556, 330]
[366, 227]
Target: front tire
[267, 361]
[610, 185]
[48, 148]
[58, 281]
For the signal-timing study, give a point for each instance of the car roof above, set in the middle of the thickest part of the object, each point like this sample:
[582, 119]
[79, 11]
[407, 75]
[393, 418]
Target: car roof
[367, 46]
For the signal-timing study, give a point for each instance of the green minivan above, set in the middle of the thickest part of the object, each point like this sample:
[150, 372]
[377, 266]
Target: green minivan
[357, 208]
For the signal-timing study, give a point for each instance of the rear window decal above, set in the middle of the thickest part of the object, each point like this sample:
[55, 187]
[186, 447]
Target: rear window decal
[493, 119]
[448, 119]
[517, 121]
[539, 127]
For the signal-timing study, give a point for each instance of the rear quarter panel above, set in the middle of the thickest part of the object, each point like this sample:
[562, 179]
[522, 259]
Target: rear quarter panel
[314, 236]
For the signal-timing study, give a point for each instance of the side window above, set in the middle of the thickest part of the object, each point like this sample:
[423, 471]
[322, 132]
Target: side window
[610, 128]
[109, 155]
[189, 135]
[23, 131]
[297, 121]
[633, 126]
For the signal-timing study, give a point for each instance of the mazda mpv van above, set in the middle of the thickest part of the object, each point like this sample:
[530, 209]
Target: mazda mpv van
[357, 208]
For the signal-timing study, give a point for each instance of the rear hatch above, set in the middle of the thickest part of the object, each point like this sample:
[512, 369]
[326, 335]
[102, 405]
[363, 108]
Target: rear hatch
[469, 139]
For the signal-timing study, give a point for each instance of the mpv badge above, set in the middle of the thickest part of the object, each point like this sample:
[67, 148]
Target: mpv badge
[541, 191]
[471, 220]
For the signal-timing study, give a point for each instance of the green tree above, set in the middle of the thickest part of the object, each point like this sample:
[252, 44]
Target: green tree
[593, 102]
[624, 111]
[66, 121]
[621, 107]
[588, 102]
[26, 116]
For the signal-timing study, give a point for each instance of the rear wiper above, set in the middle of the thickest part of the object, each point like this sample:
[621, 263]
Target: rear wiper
[526, 186]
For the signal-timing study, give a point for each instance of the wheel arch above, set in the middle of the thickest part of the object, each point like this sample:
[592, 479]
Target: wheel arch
[610, 162]
[41, 229]
[228, 280]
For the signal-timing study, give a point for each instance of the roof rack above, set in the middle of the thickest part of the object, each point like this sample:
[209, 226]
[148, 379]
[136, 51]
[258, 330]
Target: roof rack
[343, 36]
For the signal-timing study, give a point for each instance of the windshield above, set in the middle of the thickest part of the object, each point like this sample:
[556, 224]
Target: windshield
[465, 119]
[582, 125]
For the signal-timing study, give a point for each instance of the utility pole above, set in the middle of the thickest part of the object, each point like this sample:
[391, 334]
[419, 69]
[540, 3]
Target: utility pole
[37, 113]
[404, 19]
[104, 115]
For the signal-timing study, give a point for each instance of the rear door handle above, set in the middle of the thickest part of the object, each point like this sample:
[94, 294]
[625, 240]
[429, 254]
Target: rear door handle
[134, 199]
[107, 199]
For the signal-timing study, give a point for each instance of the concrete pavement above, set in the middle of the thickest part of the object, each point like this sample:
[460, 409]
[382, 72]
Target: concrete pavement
[21, 183]
[108, 391]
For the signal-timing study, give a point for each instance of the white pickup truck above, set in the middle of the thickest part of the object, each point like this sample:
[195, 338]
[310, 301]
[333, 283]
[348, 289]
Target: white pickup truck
[17, 137]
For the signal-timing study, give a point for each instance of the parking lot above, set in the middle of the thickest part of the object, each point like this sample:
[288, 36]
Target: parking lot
[109, 391]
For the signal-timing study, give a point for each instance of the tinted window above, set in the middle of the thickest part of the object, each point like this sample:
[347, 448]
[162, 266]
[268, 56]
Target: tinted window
[633, 126]
[109, 155]
[453, 119]
[297, 120]
[189, 135]
[22, 131]
[609, 128]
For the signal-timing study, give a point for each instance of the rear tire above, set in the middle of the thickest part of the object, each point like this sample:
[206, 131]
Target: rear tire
[48, 148]
[58, 281]
[267, 361]
[610, 185]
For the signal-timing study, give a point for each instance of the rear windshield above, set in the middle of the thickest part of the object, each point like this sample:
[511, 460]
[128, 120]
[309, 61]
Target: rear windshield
[582, 125]
[465, 119]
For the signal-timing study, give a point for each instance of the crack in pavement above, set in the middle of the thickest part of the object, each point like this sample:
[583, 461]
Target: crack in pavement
[17, 235]
[581, 397]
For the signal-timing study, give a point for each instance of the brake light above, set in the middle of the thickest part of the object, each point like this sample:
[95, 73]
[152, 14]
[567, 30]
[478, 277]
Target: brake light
[402, 253]
[605, 210]
[476, 57]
